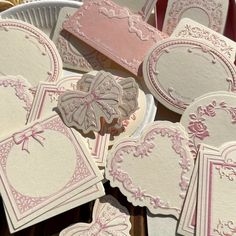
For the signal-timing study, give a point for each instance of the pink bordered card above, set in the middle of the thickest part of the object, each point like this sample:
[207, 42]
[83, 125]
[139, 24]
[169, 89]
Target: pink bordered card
[36, 176]
[171, 74]
[14, 90]
[212, 13]
[45, 103]
[128, 50]
[27, 51]
[207, 117]
[163, 150]
[187, 221]
[216, 213]
[76, 54]
[189, 29]
[109, 218]
[142, 7]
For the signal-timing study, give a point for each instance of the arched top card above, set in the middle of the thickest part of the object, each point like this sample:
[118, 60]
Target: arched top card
[177, 71]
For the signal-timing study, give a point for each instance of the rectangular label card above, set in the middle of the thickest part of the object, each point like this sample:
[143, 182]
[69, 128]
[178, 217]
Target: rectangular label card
[114, 31]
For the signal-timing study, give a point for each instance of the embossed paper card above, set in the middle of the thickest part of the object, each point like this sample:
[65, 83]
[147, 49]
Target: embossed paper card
[16, 99]
[114, 31]
[211, 13]
[216, 213]
[27, 51]
[153, 170]
[41, 166]
[45, 102]
[76, 54]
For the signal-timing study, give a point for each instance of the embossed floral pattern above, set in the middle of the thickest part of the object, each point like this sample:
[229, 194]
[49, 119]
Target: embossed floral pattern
[197, 128]
[225, 228]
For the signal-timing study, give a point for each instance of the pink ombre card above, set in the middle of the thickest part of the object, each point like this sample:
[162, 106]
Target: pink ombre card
[114, 31]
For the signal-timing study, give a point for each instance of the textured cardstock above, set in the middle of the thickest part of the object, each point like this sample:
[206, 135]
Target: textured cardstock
[209, 116]
[212, 13]
[109, 218]
[35, 155]
[16, 99]
[142, 7]
[162, 150]
[85, 196]
[128, 50]
[76, 54]
[171, 74]
[45, 102]
[216, 213]
[27, 51]
[189, 29]
[187, 221]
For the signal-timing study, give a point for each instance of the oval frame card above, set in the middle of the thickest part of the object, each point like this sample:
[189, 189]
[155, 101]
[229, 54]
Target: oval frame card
[176, 71]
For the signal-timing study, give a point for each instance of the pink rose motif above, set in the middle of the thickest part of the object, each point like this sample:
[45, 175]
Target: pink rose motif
[198, 129]
[210, 110]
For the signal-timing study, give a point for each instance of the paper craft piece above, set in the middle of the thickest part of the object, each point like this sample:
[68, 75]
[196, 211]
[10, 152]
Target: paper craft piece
[109, 218]
[85, 196]
[27, 51]
[106, 98]
[35, 155]
[45, 102]
[187, 221]
[189, 29]
[212, 13]
[216, 192]
[76, 54]
[171, 74]
[163, 151]
[142, 7]
[16, 99]
[128, 50]
[209, 116]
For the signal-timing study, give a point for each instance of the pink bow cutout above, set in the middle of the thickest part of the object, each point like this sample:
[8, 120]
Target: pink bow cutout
[23, 137]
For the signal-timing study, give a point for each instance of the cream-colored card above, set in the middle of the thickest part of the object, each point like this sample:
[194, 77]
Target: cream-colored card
[178, 70]
[16, 99]
[189, 29]
[143, 7]
[187, 221]
[109, 218]
[162, 150]
[36, 176]
[76, 54]
[212, 13]
[45, 102]
[85, 196]
[27, 51]
[216, 213]
[211, 119]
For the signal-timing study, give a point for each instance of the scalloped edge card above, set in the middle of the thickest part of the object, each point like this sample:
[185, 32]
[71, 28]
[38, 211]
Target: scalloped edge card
[187, 221]
[211, 13]
[27, 51]
[207, 117]
[109, 218]
[216, 213]
[128, 50]
[171, 74]
[35, 155]
[142, 7]
[85, 196]
[45, 102]
[163, 150]
[76, 54]
[189, 29]
[16, 98]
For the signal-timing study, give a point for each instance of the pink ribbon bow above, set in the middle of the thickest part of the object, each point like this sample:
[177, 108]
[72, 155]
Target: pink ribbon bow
[23, 137]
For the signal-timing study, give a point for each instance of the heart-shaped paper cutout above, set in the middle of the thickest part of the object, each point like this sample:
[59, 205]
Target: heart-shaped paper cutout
[109, 218]
[154, 170]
